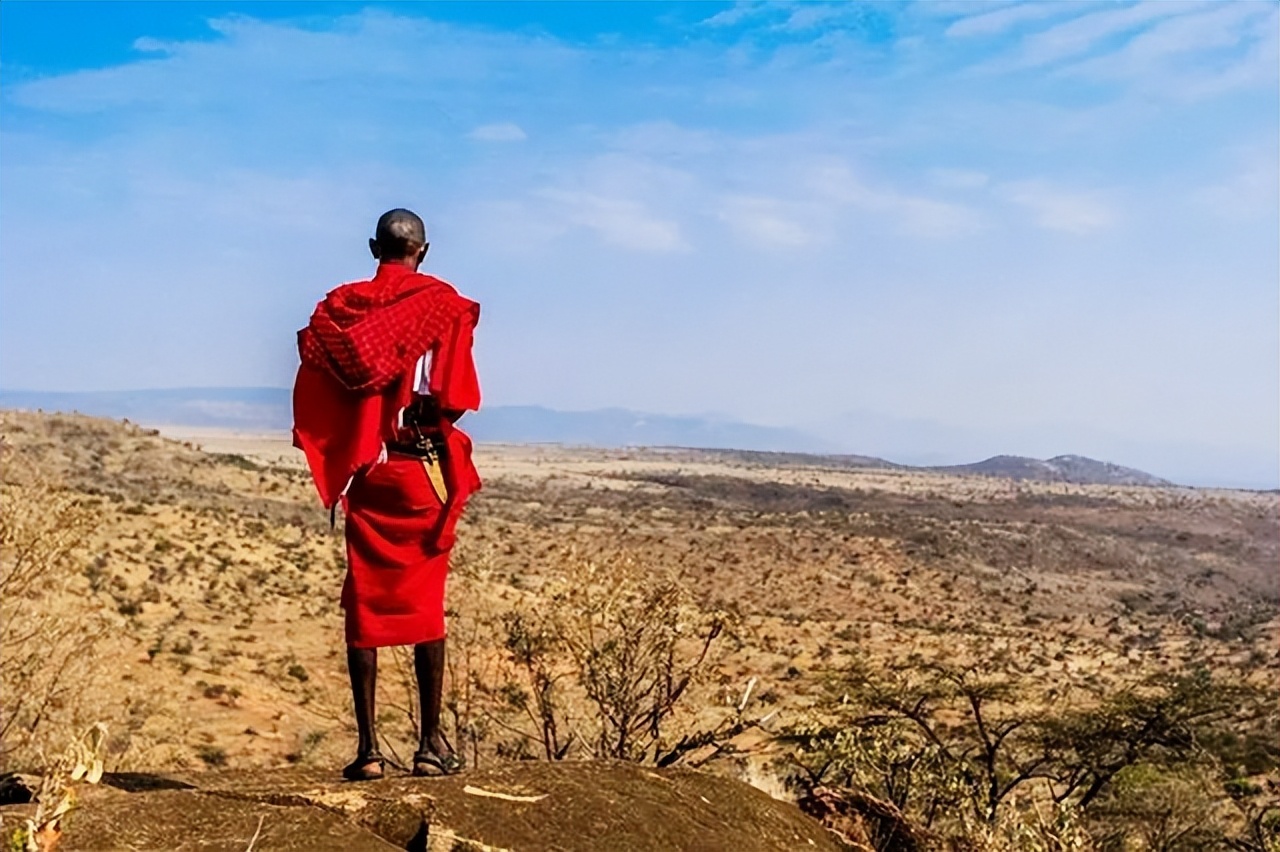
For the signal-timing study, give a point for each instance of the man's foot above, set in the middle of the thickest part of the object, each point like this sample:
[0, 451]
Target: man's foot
[366, 767]
[426, 764]
[437, 757]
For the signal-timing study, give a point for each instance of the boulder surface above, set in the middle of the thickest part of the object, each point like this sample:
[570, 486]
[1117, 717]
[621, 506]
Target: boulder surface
[527, 807]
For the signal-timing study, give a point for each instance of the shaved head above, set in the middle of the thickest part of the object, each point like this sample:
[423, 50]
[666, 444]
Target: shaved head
[400, 234]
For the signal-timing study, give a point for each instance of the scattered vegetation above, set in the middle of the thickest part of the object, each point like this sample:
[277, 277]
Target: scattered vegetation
[48, 663]
[618, 637]
[968, 754]
[977, 665]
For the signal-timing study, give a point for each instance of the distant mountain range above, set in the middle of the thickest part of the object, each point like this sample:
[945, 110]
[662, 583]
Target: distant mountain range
[269, 409]
[244, 409]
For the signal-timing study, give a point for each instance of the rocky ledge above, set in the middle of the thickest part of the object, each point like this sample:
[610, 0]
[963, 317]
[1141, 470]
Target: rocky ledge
[529, 807]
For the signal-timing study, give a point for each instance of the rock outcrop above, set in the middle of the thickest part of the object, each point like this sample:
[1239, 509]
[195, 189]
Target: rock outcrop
[528, 807]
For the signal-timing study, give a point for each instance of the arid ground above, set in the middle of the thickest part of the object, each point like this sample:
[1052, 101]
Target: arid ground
[218, 575]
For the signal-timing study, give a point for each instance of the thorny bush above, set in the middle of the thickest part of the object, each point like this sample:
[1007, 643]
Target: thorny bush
[605, 664]
[47, 660]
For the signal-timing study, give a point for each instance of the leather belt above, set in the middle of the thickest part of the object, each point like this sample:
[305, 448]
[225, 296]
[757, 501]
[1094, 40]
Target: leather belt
[430, 452]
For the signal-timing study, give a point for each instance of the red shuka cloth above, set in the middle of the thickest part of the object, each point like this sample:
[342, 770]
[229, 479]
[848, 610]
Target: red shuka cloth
[358, 353]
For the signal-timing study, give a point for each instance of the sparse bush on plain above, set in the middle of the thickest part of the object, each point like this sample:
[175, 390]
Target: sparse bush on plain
[964, 752]
[212, 755]
[48, 662]
[602, 667]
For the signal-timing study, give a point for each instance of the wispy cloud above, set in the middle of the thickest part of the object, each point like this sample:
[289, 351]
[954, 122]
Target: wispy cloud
[503, 132]
[664, 138]
[960, 178]
[1083, 34]
[621, 222]
[1251, 191]
[1010, 17]
[1183, 55]
[913, 214]
[782, 16]
[741, 11]
[1057, 209]
[766, 221]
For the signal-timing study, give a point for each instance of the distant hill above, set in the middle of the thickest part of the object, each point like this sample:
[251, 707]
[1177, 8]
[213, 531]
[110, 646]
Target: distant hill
[1075, 469]
[269, 409]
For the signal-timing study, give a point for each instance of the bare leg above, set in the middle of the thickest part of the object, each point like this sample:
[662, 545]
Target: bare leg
[362, 665]
[428, 664]
[435, 756]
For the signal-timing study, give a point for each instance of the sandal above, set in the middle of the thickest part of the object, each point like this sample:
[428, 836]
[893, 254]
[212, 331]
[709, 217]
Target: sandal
[430, 764]
[366, 767]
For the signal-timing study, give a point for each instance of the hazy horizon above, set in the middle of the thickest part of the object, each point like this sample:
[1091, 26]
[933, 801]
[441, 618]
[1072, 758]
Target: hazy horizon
[958, 229]
[919, 443]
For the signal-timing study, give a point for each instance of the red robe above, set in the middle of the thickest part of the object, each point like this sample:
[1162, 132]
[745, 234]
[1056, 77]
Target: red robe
[358, 356]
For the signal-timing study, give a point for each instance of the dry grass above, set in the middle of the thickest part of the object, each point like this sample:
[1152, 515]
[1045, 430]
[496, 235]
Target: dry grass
[50, 667]
[217, 577]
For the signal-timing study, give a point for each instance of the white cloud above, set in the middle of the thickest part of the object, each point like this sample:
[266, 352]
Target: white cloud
[766, 221]
[621, 222]
[1181, 55]
[349, 64]
[146, 44]
[1085, 33]
[664, 138]
[997, 22]
[739, 12]
[504, 132]
[913, 214]
[808, 16]
[784, 16]
[1056, 209]
[1251, 192]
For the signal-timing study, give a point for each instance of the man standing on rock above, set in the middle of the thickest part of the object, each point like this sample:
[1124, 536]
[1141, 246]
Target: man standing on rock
[386, 371]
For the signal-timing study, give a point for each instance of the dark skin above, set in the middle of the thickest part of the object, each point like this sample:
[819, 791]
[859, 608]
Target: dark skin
[428, 657]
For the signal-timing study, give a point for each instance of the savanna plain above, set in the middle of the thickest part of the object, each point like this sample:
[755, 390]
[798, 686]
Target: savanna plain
[926, 660]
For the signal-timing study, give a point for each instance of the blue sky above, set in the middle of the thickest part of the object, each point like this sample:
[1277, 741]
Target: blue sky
[932, 231]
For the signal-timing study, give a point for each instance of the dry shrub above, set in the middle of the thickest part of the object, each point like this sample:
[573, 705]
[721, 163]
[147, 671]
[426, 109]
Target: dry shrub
[47, 640]
[602, 665]
[1034, 826]
[636, 642]
[470, 668]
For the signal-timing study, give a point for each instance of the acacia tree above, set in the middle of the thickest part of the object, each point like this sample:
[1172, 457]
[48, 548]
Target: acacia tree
[1162, 720]
[929, 736]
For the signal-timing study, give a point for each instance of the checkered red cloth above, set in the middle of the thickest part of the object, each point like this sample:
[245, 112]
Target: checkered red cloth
[358, 354]
[370, 333]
